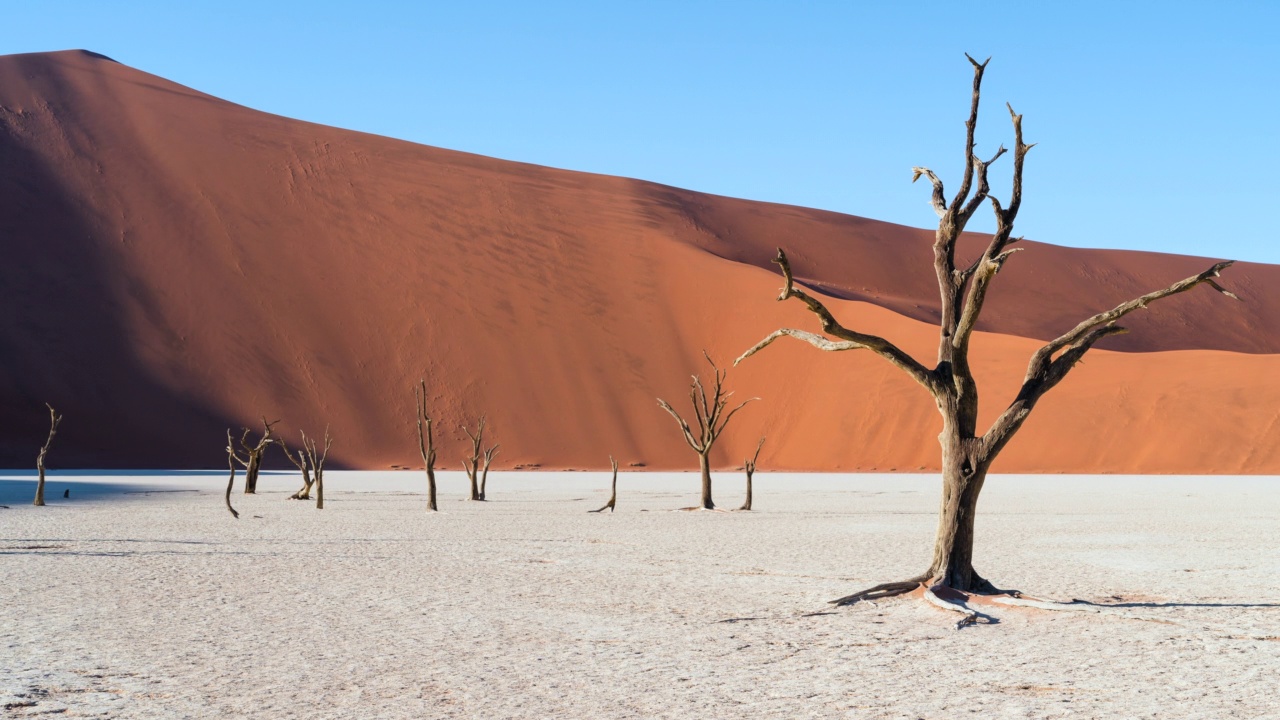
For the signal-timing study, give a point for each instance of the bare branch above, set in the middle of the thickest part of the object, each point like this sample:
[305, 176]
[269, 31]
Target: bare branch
[970, 127]
[684, 426]
[830, 326]
[939, 198]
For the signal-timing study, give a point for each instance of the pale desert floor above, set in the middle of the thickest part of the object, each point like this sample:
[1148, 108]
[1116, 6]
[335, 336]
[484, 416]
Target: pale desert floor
[140, 597]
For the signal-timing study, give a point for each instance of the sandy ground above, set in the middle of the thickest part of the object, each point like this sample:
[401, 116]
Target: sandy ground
[140, 597]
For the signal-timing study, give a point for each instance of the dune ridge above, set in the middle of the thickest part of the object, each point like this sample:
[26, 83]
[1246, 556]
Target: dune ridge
[177, 264]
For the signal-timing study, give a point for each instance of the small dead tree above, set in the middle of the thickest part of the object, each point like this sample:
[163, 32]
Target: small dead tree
[231, 481]
[613, 494]
[426, 442]
[709, 413]
[315, 458]
[967, 452]
[477, 464]
[252, 455]
[54, 420]
[750, 467]
[299, 461]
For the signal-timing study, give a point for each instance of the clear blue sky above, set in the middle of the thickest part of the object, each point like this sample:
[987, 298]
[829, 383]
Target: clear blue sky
[1158, 123]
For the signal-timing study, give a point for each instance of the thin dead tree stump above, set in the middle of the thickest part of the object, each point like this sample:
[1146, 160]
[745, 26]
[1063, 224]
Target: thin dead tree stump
[299, 461]
[613, 493]
[426, 443]
[711, 419]
[750, 467]
[968, 452]
[477, 463]
[54, 421]
[231, 481]
[316, 458]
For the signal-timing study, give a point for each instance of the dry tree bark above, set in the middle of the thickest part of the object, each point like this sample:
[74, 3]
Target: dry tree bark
[252, 460]
[315, 458]
[750, 467]
[299, 461]
[231, 481]
[426, 442]
[54, 420]
[477, 473]
[711, 419]
[967, 453]
[613, 495]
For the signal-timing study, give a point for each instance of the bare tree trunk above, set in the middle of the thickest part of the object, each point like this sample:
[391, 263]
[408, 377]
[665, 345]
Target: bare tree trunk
[426, 442]
[472, 463]
[315, 458]
[613, 494]
[952, 564]
[230, 481]
[704, 465]
[54, 420]
[251, 473]
[750, 466]
[475, 486]
[300, 462]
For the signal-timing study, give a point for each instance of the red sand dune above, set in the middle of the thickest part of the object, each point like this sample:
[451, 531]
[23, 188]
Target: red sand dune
[175, 264]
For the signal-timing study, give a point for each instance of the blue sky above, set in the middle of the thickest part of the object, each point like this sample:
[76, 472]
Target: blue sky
[1157, 123]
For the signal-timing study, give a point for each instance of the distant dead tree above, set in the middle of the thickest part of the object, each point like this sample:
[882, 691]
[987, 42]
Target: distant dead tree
[315, 458]
[967, 454]
[750, 467]
[426, 442]
[54, 420]
[477, 464]
[252, 455]
[613, 495]
[711, 419]
[299, 461]
[231, 481]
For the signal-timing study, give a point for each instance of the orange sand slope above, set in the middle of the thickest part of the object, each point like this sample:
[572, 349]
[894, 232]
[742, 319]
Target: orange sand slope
[176, 264]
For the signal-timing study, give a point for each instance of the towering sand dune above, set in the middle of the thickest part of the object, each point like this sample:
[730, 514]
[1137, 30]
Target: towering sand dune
[175, 264]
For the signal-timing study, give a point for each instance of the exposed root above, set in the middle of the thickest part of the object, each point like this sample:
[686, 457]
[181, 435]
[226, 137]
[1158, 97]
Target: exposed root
[882, 591]
[954, 600]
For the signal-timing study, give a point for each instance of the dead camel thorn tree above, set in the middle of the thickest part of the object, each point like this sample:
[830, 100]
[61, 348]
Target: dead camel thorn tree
[711, 418]
[231, 481]
[967, 454]
[477, 464]
[613, 495]
[750, 466]
[299, 461]
[252, 460]
[315, 458]
[426, 442]
[54, 420]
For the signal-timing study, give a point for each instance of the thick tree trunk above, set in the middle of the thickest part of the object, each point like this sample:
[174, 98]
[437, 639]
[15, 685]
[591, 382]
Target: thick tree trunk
[251, 474]
[704, 465]
[319, 489]
[431, 488]
[475, 486]
[952, 564]
[747, 505]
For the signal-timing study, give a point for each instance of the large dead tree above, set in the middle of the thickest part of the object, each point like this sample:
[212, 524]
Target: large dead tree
[613, 494]
[315, 458]
[54, 420]
[426, 442]
[750, 466]
[967, 453]
[249, 455]
[710, 416]
[477, 463]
